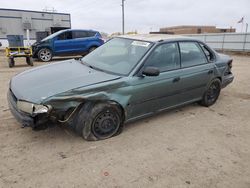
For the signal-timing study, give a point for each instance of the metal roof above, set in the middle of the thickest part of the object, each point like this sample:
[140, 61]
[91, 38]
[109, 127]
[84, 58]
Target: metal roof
[32, 11]
[154, 37]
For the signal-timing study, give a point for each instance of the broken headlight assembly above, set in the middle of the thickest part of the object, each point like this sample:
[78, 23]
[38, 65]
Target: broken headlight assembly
[33, 109]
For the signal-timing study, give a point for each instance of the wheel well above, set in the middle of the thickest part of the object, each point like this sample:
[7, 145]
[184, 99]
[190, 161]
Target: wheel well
[110, 102]
[45, 47]
[219, 78]
[121, 108]
[93, 46]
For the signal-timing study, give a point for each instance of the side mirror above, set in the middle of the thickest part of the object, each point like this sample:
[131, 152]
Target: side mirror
[151, 71]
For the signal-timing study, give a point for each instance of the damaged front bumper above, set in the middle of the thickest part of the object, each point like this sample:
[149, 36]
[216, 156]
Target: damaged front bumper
[28, 114]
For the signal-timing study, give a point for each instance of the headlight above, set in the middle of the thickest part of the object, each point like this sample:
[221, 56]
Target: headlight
[40, 109]
[31, 108]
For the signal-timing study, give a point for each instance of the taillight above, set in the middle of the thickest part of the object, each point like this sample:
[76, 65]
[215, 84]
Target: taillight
[230, 64]
[229, 68]
[103, 40]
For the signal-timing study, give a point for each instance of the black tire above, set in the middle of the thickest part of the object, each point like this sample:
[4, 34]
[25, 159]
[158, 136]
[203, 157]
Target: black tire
[92, 49]
[212, 93]
[11, 62]
[98, 121]
[29, 61]
[45, 55]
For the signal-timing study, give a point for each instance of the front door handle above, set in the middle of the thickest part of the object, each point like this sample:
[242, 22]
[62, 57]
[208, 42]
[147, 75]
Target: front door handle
[177, 79]
[210, 72]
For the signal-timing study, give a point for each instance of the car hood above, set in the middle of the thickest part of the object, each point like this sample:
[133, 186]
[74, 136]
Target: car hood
[38, 43]
[37, 84]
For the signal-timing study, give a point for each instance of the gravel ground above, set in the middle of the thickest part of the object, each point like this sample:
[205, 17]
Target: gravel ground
[192, 146]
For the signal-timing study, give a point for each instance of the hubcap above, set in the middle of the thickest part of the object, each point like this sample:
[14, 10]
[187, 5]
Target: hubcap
[45, 55]
[105, 124]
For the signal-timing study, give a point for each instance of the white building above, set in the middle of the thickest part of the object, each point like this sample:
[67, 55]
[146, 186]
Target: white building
[38, 24]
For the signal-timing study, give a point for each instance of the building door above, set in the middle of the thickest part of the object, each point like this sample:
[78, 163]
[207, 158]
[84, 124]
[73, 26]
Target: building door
[40, 35]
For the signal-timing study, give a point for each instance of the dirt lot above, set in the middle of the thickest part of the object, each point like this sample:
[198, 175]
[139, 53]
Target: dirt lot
[189, 147]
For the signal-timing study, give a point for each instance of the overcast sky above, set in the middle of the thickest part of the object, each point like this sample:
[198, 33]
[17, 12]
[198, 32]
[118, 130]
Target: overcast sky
[143, 15]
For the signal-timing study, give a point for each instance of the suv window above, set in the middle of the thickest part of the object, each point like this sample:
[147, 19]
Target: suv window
[83, 34]
[80, 34]
[91, 33]
[165, 57]
[65, 36]
[191, 54]
[209, 54]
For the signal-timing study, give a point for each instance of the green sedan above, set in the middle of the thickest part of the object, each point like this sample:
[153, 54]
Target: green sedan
[128, 78]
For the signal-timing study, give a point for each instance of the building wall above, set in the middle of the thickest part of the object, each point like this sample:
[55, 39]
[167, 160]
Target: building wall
[196, 29]
[15, 22]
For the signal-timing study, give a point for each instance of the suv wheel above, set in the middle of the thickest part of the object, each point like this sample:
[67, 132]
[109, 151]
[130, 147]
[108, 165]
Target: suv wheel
[212, 93]
[44, 54]
[92, 49]
[99, 121]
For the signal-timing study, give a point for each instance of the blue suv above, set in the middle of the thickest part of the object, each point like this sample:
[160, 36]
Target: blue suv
[67, 42]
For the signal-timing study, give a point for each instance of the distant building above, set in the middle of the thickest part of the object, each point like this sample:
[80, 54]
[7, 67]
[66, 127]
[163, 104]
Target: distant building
[39, 24]
[192, 29]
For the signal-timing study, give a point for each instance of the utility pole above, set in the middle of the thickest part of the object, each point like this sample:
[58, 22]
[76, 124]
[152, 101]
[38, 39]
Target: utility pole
[123, 21]
[246, 27]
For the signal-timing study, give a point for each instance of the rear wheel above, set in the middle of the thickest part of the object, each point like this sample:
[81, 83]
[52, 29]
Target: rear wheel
[212, 93]
[11, 62]
[92, 49]
[29, 61]
[99, 121]
[44, 54]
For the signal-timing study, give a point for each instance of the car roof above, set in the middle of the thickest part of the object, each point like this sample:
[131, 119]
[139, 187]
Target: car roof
[155, 37]
[79, 30]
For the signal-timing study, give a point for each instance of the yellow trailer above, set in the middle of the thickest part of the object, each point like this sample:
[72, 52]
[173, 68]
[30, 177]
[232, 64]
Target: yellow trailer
[15, 52]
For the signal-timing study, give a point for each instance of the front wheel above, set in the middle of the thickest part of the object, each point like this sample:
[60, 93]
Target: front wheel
[99, 121]
[212, 93]
[44, 54]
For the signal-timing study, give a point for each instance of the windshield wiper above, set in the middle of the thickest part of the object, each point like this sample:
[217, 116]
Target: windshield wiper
[84, 63]
[90, 66]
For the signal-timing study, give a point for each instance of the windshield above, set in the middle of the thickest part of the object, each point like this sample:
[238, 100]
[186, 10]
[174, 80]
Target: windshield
[118, 56]
[52, 35]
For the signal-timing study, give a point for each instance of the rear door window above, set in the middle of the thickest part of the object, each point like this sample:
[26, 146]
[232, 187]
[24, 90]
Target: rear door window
[191, 54]
[207, 51]
[91, 33]
[80, 34]
[65, 36]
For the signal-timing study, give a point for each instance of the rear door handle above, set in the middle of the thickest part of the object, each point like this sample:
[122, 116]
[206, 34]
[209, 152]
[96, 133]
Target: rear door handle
[210, 72]
[177, 79]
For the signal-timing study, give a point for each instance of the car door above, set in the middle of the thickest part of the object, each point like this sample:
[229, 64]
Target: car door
[196, 71]
[151, 94]
[64, 44]
[93, 39]
[80, 41]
